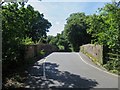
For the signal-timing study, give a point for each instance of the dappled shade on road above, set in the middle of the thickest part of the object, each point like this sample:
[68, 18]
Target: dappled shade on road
[56, 78]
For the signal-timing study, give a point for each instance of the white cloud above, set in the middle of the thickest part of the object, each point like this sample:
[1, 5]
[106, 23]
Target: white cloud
[57, 27]
[71, 0]
[38, 6]
[57, 13]
[33, 1]
[57, 23]
[77, 0]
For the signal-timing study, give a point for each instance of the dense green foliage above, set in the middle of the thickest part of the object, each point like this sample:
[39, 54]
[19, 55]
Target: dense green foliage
[20, 25]
[105, 30]
[23, 25]
[60, 41]
[102, 28]
[75, 30]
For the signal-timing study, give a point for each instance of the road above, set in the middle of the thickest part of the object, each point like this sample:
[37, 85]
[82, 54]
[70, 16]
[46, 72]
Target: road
[69, 70]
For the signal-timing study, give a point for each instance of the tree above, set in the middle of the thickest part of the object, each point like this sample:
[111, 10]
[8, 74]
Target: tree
[104, 27]
[105, 30]
[36, 25]
[20, 23]
[75, 30]
[59, 41]
[63, 43]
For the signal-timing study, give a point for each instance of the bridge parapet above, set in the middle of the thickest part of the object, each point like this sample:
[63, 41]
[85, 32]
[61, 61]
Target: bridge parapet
[32, 51]
[95, 52]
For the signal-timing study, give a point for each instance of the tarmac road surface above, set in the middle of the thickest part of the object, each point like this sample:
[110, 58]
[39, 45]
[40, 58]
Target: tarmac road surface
[69, 70]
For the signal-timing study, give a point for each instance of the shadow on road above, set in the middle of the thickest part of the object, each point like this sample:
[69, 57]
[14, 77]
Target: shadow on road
[56, 78]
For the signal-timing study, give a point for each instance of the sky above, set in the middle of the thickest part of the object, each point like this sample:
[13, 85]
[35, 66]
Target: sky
[58, 11]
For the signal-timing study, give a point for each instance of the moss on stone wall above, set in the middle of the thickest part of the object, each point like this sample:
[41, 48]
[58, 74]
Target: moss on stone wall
[94, 52]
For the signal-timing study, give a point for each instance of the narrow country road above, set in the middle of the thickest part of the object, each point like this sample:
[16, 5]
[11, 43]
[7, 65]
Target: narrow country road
[69, 70]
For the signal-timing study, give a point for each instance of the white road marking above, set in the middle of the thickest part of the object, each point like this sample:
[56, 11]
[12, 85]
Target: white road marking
[97, 67]
[43, 63]
[44, 60]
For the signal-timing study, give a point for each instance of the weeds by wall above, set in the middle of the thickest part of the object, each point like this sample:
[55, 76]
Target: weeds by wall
[93, 51]
[38, 50]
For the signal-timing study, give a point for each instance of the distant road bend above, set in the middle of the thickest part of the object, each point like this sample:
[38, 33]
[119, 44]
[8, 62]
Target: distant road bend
[70, 70]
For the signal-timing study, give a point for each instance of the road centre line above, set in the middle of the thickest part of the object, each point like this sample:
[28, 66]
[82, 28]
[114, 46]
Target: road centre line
[96, 67]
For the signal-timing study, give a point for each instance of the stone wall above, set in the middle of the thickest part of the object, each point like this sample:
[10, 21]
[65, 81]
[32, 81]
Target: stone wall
[93, 51]
[32, 51]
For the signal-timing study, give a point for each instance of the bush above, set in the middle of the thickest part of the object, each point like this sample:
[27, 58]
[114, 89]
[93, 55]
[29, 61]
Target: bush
[113, 66]
[27, 41]
[42, 53]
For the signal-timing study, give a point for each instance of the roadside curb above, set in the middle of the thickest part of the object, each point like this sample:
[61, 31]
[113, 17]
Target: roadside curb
[97, 67]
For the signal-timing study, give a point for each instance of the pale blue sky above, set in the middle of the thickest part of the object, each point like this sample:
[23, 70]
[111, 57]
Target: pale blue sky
[58, 12]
